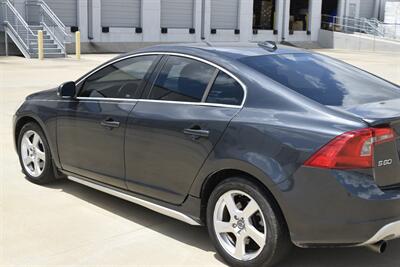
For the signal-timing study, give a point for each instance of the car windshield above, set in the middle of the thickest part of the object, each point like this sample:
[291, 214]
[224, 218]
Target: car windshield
[325, 80]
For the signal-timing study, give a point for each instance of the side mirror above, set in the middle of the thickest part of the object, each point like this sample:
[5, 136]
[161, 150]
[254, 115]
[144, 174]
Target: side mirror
[67, 90]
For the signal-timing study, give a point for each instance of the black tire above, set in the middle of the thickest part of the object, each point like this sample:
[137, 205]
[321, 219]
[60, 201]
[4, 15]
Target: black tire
[277, 244]
[47, 175]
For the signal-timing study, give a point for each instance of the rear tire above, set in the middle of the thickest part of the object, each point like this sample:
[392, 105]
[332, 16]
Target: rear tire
[245, 226]
[34, 154]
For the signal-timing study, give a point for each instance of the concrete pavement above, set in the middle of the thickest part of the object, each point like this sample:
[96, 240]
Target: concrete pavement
[71, 225]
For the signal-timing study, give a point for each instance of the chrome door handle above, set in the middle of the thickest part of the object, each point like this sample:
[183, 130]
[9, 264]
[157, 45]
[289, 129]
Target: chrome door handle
[197, 132]
[110, 123]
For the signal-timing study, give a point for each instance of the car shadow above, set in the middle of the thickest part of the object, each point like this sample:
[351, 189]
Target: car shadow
[198, 236]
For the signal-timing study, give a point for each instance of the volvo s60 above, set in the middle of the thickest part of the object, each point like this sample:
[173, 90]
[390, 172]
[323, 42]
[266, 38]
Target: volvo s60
[267, 146]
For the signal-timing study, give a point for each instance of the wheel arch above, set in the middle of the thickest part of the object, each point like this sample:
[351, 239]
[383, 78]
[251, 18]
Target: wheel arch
[22, 120]
[216, 177]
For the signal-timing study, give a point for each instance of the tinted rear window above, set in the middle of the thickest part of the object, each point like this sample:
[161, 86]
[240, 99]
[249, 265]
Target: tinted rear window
[225, 90]
[325, 80]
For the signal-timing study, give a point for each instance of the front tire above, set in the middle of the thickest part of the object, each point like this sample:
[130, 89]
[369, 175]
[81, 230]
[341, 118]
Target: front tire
[245, 226]
[34, 154]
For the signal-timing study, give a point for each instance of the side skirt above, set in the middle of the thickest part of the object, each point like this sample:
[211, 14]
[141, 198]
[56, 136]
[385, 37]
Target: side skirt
[147, 204]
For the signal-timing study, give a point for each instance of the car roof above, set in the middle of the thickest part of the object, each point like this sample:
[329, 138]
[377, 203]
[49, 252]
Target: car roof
[232, 51]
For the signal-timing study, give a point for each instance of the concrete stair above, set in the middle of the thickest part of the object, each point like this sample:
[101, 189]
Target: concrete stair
[50, 47]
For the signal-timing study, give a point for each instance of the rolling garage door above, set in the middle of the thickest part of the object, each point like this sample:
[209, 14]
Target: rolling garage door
[66, 11]
[367, 9]
[120, 13]
[224, 14]
[177, 13]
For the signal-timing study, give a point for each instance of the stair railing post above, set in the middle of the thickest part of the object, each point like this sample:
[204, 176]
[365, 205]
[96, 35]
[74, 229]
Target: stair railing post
[6, 42]
[40, 45]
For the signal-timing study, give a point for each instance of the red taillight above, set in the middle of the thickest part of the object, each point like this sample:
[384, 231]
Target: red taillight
[351, 150]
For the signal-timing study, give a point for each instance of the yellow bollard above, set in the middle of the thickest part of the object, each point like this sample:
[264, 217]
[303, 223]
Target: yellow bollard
[78, 44]
[40, 45]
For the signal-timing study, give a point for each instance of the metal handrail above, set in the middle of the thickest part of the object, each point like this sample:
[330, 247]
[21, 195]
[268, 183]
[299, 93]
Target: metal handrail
[51, 23]
[17, 15]
[360, 25]
[47, 28]
[373, 27]
[51, 14]
[17, 35]
[18, 21]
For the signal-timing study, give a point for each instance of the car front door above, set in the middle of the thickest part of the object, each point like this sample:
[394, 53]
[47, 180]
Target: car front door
[91, 128]
[171, 132]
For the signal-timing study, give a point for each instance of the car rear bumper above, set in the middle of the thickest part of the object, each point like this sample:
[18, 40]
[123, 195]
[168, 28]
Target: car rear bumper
[388, 232]
[338, 208]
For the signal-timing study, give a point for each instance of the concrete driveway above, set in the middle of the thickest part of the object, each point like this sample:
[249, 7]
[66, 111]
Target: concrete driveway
[69, 224]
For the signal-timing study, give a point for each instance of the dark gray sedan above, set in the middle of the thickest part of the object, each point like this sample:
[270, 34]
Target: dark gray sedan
[266, 146]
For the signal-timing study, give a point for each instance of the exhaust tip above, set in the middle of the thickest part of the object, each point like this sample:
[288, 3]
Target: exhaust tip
[379, 247]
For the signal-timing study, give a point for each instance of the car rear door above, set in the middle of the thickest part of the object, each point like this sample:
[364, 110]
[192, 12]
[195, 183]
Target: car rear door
[171, 132]
[91, 128]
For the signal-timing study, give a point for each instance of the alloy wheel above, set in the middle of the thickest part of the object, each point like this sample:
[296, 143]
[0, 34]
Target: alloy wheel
[239, 225]
[33, 153]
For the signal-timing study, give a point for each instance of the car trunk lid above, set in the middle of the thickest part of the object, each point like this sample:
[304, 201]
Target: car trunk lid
[386, 155]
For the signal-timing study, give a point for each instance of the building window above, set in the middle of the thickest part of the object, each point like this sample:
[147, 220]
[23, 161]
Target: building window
[299, 15]
[263, 14]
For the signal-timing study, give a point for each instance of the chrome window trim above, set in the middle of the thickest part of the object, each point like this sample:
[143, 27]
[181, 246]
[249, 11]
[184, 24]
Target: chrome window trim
[86, 99]
[244, 88]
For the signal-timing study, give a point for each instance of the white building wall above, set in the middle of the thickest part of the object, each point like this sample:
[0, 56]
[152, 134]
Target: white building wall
[83, 20]
[315, 19]
[246, 20]
[151, 23]
[127, 38]
[286, 19]
[151, 27]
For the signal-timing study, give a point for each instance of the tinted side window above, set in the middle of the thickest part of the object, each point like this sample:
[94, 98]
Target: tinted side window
[182, 79]
[225, 90]
[119, 80]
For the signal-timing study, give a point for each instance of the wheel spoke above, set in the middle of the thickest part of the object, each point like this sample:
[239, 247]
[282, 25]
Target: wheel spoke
[230, 204]
[256, 235]
[223, 227]
[27, 160]
[240, 247]
[36, 140]
[40, 155]
[26, 141]
[250, 209]
[36, 164]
